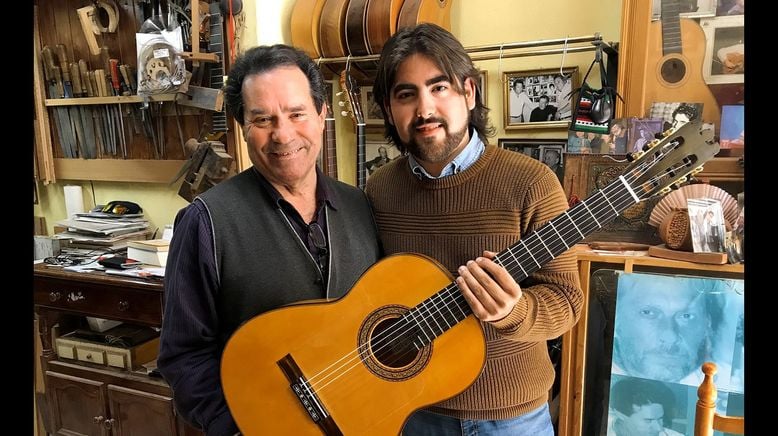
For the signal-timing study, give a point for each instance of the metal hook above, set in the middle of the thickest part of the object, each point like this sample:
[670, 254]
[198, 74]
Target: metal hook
[348, 64]
[564, 52]
[499, 66]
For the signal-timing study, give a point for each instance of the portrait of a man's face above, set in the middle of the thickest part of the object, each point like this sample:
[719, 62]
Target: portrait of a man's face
[667, 326]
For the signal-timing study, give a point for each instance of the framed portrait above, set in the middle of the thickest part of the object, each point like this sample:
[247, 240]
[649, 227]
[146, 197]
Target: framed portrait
[733, 133]
[370, 110]
[483, 86]
[687, 8]
[538, 99]
[549, 151]
[641, 132]
[731, 7]
[724, 49]
[378, 153]
[619, 352]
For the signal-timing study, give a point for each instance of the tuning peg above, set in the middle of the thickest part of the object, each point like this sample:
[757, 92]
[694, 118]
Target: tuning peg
[665, 190]
[344, 113]
[339, 93]
[681, 181]
[341, 103]
[630, 157]
[697, 170]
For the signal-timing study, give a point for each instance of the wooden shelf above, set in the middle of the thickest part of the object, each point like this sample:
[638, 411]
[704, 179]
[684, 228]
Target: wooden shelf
[722, 169]
[118, 170]
[108, 100]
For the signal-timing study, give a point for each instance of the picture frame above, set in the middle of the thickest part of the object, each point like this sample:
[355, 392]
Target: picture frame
[687, 9]
[521, 107]
[641, 132]
[724, 60]
[732, 133]
[537, 148]
[375, 158]
[370, 110]
[483, 85]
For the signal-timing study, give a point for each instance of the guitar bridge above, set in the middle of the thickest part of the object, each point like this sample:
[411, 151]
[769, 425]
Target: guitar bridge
[307, 396]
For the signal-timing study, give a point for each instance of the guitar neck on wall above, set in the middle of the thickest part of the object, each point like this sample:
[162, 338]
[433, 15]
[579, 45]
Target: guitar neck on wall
[329, 156]
[216, 45]
[674, 66]
[354, 109]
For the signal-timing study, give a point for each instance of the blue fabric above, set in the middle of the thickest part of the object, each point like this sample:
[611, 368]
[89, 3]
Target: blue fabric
[472, 151]
[534, 423]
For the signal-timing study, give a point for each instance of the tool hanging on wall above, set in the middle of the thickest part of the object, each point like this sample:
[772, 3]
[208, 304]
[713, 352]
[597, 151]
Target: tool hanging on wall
[91, 24]
[208, 164]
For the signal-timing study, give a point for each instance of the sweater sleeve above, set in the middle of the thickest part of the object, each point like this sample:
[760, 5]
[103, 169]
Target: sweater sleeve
[551, 298]
[190, 351]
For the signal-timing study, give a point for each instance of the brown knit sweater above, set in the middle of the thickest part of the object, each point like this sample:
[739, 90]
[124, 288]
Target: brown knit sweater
[489, 206]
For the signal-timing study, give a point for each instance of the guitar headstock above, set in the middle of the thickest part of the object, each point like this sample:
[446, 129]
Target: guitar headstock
[670, 160]
[351, 98]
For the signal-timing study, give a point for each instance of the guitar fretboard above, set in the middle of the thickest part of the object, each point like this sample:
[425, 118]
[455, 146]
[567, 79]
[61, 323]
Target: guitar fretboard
[216, 45]
[329, 156]
[361, 169]
[671, 27]
[437, 314]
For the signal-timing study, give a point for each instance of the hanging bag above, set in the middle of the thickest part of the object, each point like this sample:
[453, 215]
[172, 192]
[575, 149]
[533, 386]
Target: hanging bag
[594, 108]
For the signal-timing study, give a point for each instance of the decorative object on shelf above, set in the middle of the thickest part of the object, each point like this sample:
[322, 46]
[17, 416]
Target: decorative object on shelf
[677, 200]
[538, 99]
[594, 106]
[675, 230]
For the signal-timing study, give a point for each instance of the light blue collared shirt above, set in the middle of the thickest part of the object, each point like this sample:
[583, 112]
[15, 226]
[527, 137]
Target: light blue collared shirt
[472, 151]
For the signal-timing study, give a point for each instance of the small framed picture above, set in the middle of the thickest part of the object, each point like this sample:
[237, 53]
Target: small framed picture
[641, 132]
[731, 7]
[733, 131]
[687, 8]
[370, 110]
[483, 86]
[377, 154]
[549, 151]
[538, 99]
[724, 49]
[706, 222]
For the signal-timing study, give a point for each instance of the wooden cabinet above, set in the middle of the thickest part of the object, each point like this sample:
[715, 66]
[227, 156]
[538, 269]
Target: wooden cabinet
[93, 399]
[574, 342]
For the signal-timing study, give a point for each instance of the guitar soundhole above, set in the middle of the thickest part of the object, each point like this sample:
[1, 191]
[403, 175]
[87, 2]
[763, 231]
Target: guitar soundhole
[673, 70]
[386, 345]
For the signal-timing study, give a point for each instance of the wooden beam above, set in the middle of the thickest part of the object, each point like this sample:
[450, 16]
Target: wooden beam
[118, 170]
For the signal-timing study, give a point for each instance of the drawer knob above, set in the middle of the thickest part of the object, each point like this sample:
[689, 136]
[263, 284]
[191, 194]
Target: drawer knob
[54, 296]
[89, 356]
[98, 419]
[124, 305]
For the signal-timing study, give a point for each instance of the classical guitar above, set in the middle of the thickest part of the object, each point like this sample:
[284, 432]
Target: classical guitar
[425, 11]
[304, 26]
[216, 73]
[676, 49]
[356, 32]
[381, 22]
[403, 337]
[353, 108]
[332, 29]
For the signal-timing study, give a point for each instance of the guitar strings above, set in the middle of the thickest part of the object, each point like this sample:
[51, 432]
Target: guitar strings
[387, 337]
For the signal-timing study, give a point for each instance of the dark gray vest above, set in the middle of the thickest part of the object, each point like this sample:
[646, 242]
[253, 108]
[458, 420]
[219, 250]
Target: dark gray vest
[262, 262]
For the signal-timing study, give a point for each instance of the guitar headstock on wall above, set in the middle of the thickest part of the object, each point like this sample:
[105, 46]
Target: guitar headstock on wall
[352, 108]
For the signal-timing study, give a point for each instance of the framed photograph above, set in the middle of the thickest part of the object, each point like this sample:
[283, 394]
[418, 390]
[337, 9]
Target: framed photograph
[731, 7]
[538, 99]
[549, 151]
[724, 49]
[370, 110]
[641, 132]
[687, 8]
[377, 154]
[483, 86]
[733, 133]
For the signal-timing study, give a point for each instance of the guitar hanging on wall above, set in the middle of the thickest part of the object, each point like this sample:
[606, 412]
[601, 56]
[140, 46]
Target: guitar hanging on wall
[351, 93]
[329, 156]
[216, 71]
[676, 51]
[362, 364]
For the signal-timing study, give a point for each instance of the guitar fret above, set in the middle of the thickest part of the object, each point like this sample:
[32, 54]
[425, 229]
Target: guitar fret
[574, 225]
[551, 223]
[430, 315]
[544, 244]
[590, 213]
[517, 262]
[530, 253]
[454, 296]
[437, 306]
[421, 327]
[609, 202]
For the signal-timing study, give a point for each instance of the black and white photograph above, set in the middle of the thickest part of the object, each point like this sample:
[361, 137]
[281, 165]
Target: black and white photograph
[552, 156]
[706, 222]
[641, 132]
[370, 110]
[667, 326]
[641, 407]
[549, 151]
[377, 154]
[483, 84]
[538, 99]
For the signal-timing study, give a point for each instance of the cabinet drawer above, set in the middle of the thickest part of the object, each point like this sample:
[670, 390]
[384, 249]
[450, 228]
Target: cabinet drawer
[104, 302]
[88, 354]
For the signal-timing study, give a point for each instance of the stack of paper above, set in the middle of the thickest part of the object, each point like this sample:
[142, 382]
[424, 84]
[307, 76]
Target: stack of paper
[150, 252]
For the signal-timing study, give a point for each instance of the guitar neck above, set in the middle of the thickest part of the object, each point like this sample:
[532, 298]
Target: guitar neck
[671, 27]
[330, 158]
[437, 314]
[361, 170]
[216, 45]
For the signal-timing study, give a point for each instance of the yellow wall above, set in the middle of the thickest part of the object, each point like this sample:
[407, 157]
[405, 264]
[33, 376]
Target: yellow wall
[475, 22]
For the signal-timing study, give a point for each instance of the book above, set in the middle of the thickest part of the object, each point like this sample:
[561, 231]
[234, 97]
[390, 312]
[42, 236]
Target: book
[148, 257]
[150, 244]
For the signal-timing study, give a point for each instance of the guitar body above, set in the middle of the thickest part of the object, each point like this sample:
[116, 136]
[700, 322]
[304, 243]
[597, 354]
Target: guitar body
[356, 33]
[304, 26]
[414, 12]
[332, 30]
[677, 77]
[362, 397]
[381, 22]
